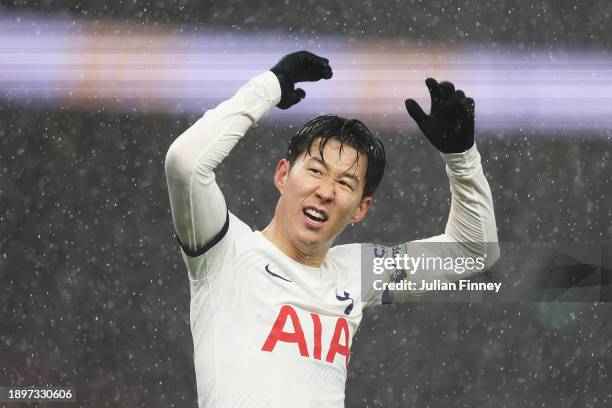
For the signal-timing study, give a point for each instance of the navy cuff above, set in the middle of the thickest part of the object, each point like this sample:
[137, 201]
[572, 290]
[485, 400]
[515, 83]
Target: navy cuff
[209, 244]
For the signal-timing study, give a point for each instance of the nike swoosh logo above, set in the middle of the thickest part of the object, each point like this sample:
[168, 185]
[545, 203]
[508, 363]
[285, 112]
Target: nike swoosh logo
[275, 275]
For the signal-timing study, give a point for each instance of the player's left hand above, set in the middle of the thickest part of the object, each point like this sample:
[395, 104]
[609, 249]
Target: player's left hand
[450, 124]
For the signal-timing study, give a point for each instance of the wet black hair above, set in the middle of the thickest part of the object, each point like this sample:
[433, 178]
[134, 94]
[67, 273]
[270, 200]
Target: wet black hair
[350, 132]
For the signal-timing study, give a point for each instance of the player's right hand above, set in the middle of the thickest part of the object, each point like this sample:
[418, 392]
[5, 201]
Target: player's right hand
[299, 67]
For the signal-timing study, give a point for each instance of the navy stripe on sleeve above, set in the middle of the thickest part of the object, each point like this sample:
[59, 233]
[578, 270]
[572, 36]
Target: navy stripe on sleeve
[209, 244]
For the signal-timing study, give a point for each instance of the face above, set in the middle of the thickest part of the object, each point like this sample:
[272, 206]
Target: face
[320, 196]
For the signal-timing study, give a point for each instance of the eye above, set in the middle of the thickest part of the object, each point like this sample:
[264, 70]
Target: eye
[345, 184]
[315, 171]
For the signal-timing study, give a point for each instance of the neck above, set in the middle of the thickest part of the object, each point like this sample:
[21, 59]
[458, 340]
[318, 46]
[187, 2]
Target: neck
[280, 239]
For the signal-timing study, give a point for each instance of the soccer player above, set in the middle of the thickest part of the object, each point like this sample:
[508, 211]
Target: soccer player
[273, 312]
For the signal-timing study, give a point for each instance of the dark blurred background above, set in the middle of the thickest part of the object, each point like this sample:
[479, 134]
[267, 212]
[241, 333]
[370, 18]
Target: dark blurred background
[553, 24]
[93, 291]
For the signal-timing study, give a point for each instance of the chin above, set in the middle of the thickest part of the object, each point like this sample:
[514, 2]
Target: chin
[312, 239]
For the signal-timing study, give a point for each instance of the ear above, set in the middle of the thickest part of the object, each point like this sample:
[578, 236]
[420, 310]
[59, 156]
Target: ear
[280, 174]
[362, 210]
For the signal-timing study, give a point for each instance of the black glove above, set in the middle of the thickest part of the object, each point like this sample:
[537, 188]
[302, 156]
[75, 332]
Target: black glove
[450, 125]
[298, 67]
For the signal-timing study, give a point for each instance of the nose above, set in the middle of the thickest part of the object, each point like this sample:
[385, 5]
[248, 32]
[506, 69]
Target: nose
[325, 191]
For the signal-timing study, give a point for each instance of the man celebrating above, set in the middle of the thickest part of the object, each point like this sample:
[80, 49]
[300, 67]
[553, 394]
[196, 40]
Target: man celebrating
[273, 313]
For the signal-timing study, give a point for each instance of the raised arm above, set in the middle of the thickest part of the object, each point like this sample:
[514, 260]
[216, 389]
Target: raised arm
[199, 211]
[450, 129]
[471, 232]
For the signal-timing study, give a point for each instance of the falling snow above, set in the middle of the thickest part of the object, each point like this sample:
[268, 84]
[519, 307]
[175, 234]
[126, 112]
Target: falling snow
[94, 293]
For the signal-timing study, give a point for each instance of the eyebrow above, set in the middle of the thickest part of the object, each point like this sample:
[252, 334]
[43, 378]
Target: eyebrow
[344, 174]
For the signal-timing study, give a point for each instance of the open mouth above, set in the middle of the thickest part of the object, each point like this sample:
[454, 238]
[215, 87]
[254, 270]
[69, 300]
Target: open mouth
[315, 215]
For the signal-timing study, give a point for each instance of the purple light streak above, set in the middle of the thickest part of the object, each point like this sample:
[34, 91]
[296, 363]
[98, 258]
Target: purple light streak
[121, 68]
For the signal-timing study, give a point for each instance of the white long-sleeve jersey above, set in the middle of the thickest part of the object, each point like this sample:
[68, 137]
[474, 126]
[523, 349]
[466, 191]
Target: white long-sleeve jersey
[267, 330]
